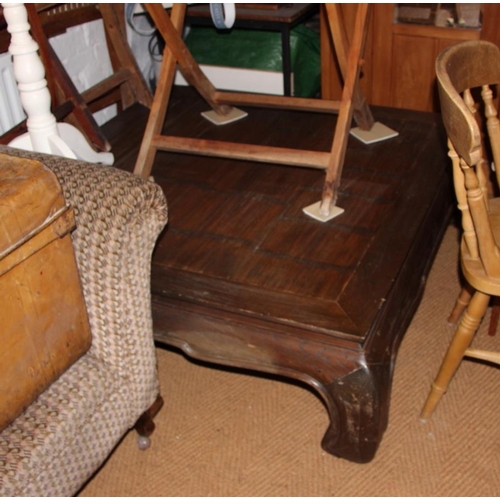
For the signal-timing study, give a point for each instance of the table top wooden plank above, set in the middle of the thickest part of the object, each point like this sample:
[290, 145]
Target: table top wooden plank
[237, 239]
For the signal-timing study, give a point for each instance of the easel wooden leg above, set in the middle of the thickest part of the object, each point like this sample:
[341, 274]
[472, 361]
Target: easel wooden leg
[158, 112]
[351, 75]
[362, 113]
[190, 68]
[121, 56]
[353, 103]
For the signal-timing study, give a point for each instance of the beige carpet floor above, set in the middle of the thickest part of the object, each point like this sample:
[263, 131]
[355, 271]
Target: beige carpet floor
[224, 433]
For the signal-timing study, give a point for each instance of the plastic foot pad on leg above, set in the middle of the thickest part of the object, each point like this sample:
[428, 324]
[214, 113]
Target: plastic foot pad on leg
[379, 132]
[314, 212]
[234, 115]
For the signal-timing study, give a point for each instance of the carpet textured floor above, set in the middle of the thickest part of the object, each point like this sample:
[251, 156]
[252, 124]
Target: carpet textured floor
[226, 433]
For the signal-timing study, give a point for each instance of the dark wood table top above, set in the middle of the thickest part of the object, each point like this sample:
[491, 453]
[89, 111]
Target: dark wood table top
[237, 239]
[241, 277]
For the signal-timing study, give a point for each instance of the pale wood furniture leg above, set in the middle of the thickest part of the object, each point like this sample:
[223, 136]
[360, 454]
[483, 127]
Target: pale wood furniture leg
[122, 59]
[463, 301]
[463, 337]
[190, 68]
[362, 113]
[158, 112]
[221, 102]
[460, 305]
[492, 357]
[337, 154]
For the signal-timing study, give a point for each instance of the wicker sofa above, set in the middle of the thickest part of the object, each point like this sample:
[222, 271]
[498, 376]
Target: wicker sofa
[67, 433]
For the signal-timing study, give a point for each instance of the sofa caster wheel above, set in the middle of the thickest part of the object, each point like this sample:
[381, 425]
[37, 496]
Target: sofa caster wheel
[143, 442]
[145, 425]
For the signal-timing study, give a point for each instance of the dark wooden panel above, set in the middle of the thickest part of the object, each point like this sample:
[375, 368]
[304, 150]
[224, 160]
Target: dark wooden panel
[424, 177]
[227, 296]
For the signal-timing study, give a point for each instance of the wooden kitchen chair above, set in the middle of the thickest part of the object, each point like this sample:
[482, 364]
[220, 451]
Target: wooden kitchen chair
[124, 87]
[459, 69]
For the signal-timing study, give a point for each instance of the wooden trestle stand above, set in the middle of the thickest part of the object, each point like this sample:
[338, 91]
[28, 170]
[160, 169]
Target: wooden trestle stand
[352, 104]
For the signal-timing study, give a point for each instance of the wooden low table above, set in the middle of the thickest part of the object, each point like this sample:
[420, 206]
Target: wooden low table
[243, 278]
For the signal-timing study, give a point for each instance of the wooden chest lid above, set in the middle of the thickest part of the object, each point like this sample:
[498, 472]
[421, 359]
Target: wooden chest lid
[31, 199]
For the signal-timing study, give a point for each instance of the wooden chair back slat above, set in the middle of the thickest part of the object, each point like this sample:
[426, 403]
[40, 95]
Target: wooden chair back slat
[493, 126]
[459, 69]
[124, 87]
[461, 194]
[482, 166]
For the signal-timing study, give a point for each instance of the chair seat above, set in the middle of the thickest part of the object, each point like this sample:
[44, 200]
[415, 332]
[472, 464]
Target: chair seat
[461, 70]
[473, 268]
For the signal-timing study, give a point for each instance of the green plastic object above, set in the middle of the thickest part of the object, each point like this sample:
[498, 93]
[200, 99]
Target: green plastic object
[261, 50]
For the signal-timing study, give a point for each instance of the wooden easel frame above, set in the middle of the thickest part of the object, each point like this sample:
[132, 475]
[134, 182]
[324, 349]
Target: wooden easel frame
[353, 103]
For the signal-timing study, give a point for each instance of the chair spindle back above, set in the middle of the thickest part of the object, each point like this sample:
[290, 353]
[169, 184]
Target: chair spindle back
[460, 69]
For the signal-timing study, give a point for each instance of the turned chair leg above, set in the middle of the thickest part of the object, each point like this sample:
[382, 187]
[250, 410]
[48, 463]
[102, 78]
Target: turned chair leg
[495, 316]
[463, 301]
[460, 305]
[145, 425]
[464, 334]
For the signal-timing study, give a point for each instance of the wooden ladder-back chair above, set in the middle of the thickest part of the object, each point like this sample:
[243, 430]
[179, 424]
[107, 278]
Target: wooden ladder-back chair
[460, 69]
[124, 87]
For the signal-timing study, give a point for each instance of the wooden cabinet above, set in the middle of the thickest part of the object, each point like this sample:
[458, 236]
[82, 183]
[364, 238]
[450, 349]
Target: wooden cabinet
[399, 58]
